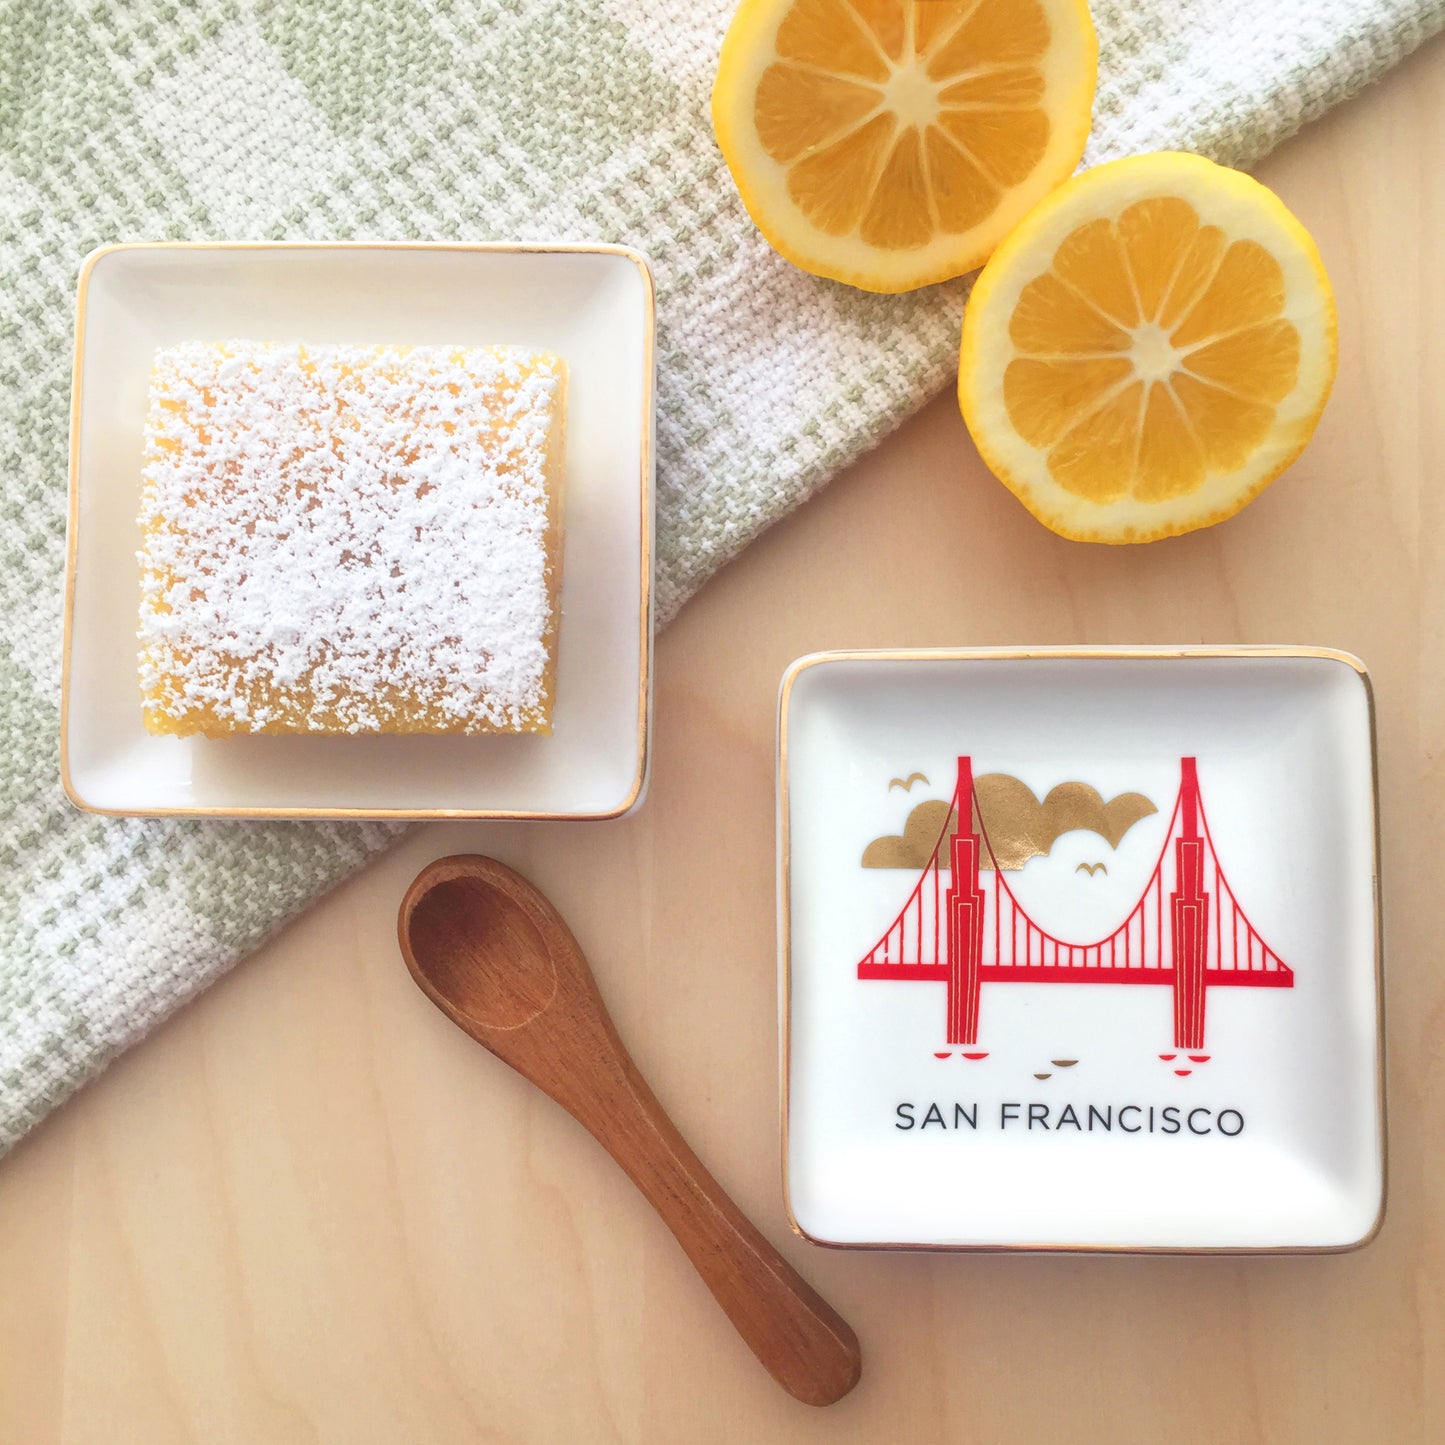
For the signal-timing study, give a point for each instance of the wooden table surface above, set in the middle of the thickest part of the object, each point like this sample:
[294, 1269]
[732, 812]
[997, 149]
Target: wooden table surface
[309, 1209]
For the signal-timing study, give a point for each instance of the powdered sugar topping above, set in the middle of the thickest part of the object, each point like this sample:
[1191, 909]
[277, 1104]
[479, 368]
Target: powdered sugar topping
[331, 528]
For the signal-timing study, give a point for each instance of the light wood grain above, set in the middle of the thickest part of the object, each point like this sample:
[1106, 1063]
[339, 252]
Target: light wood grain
[311, 1210]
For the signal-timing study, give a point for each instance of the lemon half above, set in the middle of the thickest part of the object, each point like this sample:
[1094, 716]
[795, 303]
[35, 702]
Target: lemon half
[1148, 349]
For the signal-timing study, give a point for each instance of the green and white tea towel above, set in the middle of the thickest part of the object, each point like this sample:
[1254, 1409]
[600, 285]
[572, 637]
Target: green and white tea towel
[473, 120]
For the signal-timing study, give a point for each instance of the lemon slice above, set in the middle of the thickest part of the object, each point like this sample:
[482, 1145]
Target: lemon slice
[1148, 350]
[891, 143]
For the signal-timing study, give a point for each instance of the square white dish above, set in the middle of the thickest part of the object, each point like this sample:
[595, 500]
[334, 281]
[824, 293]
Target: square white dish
[1201, 822]
[590, 304]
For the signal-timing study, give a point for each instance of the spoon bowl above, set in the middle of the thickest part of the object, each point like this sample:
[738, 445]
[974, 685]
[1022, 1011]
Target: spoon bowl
[498, 959]
[483, 953]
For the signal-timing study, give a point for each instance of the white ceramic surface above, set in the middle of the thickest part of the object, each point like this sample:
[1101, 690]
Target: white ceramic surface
[590, 305]
[1287, 1152]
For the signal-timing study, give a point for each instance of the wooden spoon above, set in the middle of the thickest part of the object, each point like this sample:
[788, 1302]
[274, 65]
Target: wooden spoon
[494, 955]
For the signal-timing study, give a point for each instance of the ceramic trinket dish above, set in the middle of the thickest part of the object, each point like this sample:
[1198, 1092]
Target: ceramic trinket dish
[589, 304]
[1080, 950]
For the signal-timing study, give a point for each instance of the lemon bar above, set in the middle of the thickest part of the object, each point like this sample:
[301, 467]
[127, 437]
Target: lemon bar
[351, 539]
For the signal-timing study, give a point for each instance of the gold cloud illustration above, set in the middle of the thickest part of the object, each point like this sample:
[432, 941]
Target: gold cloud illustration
[1018, 825]
[920, 833]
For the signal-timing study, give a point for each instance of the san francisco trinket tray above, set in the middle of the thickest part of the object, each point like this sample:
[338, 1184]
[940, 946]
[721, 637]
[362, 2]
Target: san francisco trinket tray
[1080, 950]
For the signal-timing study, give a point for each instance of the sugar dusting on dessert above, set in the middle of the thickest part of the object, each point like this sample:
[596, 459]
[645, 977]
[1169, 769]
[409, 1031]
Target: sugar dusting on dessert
[338, 537]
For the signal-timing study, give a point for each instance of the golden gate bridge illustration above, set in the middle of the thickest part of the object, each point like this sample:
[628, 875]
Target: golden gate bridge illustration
[971, 933]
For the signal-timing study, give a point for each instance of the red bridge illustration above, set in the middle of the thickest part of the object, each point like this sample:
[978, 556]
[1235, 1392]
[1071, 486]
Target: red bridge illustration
[971, 933]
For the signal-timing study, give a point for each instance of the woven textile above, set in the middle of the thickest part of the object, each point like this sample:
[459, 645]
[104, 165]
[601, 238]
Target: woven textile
[473, 120]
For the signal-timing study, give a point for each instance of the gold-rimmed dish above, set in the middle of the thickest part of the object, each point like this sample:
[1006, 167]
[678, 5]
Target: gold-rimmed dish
[590, 304]
[1134, 1002]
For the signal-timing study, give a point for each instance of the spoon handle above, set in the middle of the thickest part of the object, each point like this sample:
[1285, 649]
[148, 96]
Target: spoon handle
[808, 1348]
